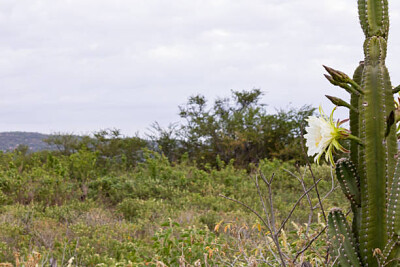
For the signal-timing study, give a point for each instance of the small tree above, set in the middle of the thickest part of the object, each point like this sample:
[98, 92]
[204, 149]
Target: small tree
[239, 128]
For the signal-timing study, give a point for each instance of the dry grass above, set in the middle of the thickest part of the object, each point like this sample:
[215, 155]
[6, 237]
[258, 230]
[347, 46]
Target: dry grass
[32, 261]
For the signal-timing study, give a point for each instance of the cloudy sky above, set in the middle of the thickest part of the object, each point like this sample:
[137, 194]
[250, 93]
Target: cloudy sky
[85, 65]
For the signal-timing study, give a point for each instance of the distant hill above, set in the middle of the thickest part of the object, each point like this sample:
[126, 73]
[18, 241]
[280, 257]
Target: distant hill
[11, 140]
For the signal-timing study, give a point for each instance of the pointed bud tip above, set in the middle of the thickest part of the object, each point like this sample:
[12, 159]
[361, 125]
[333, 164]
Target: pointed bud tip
[330, 79]
[328, 69]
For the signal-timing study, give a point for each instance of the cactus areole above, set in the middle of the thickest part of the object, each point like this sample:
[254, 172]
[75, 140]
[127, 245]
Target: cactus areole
[370, 177]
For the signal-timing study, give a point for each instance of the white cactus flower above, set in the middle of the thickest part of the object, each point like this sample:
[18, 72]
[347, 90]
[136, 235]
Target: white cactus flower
[318, 135]
[323, 135]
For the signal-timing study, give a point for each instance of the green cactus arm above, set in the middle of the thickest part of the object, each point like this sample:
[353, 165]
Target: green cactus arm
[349, 181]
[344, 245]
[377, 156]
[354, 116]
[362, 14]
[391, 139]
[374, 17]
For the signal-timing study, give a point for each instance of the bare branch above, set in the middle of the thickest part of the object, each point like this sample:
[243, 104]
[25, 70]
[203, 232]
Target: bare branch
[297, 203]
[262, 202]
[309, 244]
[301, 180]
[333, 188]
[275, 235]
[247, 207]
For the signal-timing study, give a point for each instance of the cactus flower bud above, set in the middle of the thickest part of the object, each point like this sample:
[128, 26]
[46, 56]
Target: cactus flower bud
[338, 76]
[340, 103]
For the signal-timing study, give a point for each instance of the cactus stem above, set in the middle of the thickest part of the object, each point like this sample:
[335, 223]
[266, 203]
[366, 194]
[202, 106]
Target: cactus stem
[372, 184]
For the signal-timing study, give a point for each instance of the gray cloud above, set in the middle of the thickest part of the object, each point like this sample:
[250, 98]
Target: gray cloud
[74, 65]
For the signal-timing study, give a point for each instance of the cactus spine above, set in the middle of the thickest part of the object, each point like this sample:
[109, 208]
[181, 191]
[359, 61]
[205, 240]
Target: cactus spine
[369, 179]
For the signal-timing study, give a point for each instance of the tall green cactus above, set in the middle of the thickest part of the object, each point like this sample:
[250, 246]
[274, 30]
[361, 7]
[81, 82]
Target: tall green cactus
[370, 179]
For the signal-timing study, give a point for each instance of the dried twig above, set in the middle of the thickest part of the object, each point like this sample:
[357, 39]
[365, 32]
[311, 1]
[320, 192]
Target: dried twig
[275, 235]
[249, 208]
[268, 219]
[301, 180]
[296, 204]
[309, 244]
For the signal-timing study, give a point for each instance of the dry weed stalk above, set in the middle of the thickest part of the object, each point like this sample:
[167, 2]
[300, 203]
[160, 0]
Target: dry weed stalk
[275, 230]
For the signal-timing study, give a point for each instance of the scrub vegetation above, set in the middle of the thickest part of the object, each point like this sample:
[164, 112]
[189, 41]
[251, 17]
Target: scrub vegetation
[72, 209]
[181, 197]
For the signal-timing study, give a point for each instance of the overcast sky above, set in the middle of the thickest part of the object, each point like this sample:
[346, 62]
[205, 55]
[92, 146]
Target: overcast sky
[85, 65]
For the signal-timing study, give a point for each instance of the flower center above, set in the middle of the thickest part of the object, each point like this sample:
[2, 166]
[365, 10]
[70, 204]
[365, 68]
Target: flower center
[317, 140]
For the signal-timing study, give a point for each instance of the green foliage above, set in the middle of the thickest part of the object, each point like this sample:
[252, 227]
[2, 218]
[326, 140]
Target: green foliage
[173, 244]
[83, 165]
[237, 128]
[120, 220]
[65, 143]
[111, 148]
[241, 130]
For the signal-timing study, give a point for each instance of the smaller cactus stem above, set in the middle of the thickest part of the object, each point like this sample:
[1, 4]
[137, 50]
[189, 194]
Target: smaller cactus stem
[349, 181]
[344, 244]
[354, 116]
[374, 17]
